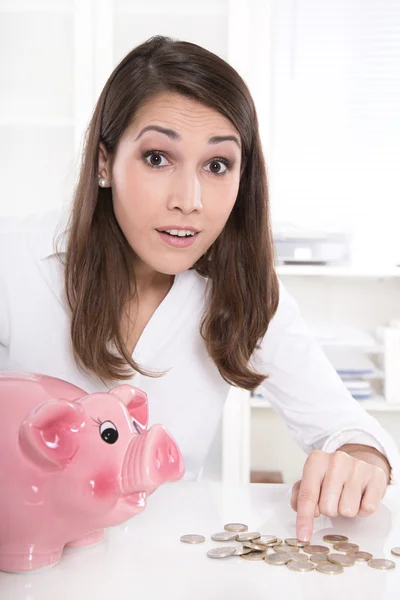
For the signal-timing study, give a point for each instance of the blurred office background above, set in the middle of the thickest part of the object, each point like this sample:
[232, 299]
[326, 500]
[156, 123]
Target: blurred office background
[325, 78]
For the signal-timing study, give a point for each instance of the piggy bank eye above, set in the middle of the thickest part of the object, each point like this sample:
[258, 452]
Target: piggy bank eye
[109, 432]
[136, 426]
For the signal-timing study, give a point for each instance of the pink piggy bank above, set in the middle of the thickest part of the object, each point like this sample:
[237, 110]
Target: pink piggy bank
[71, 464]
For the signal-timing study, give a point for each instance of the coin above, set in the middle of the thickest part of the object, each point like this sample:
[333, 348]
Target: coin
[311, 549]
[237, 527]
[247, 537]
[346, 547]
[285, 549]
[254, 555]
[332, 539]
[256, 547]
[193, 538]
[381, 563]
[298, 557]
[361, 556]
[329, 568]
[224, 536]
[277, 543]
[296, 542]
[267, 540]
[319, 557]
[300, 566]
[222, 552]
[396, 551]
[239, 550]
[346, 560]
[277, 559]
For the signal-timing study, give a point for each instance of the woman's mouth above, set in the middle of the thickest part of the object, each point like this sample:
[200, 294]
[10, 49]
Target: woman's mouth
[177, 241]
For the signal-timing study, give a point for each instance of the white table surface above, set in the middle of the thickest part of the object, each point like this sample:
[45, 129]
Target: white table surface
[145, 559]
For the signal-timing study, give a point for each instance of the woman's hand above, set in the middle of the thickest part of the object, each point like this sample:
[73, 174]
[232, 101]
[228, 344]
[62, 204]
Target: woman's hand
[337, 483]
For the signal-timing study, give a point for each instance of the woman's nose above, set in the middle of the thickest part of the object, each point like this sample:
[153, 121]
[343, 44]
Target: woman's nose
[186, 193]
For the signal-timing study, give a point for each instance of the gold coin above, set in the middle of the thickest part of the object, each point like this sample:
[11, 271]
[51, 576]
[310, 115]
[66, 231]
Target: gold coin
[267, 540]
[277, 559]
[381, 563]
[254, 555]
[300, 566]
[285, 549]
[193, 538]
[329, 568]
[311, 549]
[319, 557]
[222, 552]
[346, 560]
[298, 557]
[333, 539]
[296, 542]
[346, 547]
[236, 527]
[395, 551]
[361, 556]
[247, 537]
[255, 547]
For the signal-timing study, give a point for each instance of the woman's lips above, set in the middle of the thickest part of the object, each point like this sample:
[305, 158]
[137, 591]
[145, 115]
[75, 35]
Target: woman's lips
[176, 241]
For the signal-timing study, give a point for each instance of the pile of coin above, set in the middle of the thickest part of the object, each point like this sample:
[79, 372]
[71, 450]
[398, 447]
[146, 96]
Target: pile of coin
[297, 555]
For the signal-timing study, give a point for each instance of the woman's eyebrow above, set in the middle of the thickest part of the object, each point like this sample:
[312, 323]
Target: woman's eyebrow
[174, 136]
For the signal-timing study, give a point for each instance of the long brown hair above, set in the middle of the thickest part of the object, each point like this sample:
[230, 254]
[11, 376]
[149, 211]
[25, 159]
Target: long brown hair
[99, 277]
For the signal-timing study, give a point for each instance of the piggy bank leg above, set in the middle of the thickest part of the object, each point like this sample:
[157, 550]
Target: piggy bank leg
[91, 539]
[24, 560]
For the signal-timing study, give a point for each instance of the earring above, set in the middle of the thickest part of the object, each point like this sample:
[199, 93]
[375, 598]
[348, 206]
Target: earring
[102, 182]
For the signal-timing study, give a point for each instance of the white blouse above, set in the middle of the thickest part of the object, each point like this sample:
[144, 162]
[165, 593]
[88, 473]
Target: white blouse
[302, 386]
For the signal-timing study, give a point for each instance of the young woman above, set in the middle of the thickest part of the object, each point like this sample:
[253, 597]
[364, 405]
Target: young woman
[164, 277]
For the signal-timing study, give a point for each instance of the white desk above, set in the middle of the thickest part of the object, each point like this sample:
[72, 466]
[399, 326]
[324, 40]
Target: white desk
[144, 558]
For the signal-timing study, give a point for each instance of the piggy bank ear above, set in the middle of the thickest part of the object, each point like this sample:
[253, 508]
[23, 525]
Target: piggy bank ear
[49, 435]
[135, 401]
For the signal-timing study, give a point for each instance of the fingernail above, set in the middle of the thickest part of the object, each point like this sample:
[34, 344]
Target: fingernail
[304, 536]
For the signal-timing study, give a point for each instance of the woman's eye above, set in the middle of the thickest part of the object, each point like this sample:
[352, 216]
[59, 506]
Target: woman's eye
[159, 156]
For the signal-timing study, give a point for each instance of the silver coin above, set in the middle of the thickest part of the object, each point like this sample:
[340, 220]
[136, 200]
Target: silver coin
[239, 550]
[381, 563]
[329, 568]
[236, 527]
[319, 558]
[277, 543]
[301, 566]
[254, 546]
[285, 549]
[395, 551]
[248, 536]
[346, 560]
[296, 542]
[222, 552]
[277, 559]
[254, 555]
[298, 557]
[346, 547]
[361, 556]
[267, 540]
[313, 549]
[193, 538]
[224, 536]
[333, 539]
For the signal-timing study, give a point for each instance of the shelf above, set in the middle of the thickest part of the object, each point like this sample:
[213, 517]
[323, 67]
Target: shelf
[343, 271]
[375, 404]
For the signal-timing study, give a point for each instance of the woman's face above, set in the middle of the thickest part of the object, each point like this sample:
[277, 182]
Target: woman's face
[164, 181]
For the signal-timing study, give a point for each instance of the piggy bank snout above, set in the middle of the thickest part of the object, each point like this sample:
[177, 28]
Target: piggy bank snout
[152, 458]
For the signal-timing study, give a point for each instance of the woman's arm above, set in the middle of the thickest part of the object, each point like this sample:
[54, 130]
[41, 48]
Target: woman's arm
[304, 388]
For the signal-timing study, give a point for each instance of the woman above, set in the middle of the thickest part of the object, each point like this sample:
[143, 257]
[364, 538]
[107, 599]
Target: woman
[166, 279]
